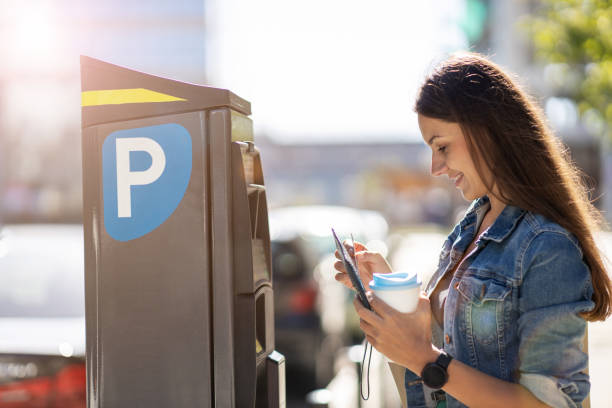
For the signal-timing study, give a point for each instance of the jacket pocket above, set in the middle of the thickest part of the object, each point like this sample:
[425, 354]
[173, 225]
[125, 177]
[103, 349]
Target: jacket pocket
[482, 303]
[478, 290]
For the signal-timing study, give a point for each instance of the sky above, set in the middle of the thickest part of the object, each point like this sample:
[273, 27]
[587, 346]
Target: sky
[47, 36]
[314, 71]
[321, 71]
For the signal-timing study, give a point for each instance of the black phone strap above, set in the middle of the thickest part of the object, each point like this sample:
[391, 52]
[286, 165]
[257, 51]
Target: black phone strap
[365, 348]
[361, 371]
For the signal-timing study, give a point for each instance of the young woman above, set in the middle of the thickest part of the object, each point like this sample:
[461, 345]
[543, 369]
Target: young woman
[502, 321]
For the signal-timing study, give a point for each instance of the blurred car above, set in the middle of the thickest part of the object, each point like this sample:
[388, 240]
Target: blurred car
[42, 317]
[309, 304]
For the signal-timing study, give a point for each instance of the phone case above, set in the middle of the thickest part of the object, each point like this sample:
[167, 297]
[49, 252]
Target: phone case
[352, 271]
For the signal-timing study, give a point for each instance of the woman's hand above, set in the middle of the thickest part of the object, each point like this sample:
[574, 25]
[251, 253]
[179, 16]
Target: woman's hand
[404, 338]
[368, 263]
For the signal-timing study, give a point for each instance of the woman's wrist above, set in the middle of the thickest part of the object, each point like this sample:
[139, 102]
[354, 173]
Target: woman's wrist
[429, 356]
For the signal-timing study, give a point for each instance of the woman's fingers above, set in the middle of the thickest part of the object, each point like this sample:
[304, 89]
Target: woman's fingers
[349, 245]
[368, 322]
[366, 314]
[375, 261]
[367, 328]
[341, 277]
[367, 256]
[339, 265]
[378, 305]
[352, 247]
[423, 305]
[360, 247]
[344, 279]
[372, 341]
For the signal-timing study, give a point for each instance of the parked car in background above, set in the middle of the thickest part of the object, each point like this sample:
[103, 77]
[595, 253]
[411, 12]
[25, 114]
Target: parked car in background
[42, 314]
[309, 305]
[42, 317]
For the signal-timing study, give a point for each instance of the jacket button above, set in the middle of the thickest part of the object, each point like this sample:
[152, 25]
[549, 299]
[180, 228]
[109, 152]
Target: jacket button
[448, 339]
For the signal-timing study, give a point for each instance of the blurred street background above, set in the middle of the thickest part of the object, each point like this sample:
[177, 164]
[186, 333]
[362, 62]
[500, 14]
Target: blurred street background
[332, 86]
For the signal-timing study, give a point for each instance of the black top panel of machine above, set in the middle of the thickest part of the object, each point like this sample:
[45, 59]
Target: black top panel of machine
[113, 93]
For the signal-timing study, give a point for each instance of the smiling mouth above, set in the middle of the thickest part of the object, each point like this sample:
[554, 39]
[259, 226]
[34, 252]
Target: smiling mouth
[458, 179]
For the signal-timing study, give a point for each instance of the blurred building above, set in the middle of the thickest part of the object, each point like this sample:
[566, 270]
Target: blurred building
[40, 100]
[40, 153]
[392, 178]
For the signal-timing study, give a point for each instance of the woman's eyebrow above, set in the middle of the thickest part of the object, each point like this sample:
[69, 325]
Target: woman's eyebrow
[432, 139]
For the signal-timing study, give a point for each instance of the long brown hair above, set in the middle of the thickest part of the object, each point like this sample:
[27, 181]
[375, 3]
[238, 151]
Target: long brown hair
[530, 168]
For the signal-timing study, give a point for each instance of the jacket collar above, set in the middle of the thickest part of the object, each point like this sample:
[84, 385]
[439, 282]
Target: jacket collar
[475, 212]
[505, 222]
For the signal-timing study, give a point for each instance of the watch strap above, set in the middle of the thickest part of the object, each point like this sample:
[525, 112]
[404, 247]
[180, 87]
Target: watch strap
[444, 360]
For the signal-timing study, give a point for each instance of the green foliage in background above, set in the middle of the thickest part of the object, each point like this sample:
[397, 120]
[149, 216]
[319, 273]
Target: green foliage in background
[575, 36]
[474, 20]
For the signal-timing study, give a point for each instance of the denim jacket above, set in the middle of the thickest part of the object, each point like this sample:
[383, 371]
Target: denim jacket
[513, 306]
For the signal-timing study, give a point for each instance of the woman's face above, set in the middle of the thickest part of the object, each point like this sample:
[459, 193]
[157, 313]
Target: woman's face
[450, 156]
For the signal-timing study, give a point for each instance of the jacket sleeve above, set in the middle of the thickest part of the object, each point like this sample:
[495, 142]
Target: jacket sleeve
[556, 288]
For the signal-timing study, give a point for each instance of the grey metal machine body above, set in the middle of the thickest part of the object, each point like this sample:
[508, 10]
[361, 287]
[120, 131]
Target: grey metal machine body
[179, 296]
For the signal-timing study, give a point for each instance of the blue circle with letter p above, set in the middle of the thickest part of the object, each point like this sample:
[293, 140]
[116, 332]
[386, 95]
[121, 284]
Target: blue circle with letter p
[145, 173]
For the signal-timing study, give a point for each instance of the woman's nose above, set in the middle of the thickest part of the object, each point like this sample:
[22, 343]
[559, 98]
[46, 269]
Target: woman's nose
[438, 165]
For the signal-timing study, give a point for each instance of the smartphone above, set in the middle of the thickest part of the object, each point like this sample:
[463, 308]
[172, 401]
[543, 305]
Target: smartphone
[351, 269]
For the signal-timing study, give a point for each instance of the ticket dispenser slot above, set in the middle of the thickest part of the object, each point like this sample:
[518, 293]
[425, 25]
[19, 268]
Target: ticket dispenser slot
[253, 337]
[251, 231]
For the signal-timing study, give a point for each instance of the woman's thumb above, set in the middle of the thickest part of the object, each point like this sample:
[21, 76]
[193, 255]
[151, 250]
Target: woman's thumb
[360, 247]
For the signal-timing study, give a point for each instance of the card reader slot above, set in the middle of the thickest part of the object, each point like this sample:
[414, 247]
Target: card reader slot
[254, 191]
[250, 221]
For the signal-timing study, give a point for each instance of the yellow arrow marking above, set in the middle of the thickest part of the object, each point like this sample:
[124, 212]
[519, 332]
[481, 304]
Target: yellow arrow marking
[121, 96]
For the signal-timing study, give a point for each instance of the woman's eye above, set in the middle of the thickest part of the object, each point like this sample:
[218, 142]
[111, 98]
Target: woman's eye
[442, 149]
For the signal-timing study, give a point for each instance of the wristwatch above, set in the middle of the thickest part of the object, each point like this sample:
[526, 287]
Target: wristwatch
[435, 375]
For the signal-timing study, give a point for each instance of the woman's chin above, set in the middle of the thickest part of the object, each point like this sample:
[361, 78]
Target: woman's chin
[468, 195]
[472, 195]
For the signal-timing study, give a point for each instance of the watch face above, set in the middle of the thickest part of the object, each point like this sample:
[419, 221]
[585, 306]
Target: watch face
[434, 376]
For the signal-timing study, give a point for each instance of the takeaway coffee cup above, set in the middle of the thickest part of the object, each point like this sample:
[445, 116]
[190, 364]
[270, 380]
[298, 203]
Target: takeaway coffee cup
[399, 290]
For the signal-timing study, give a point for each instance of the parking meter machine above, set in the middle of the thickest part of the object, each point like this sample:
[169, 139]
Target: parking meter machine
[179, 298]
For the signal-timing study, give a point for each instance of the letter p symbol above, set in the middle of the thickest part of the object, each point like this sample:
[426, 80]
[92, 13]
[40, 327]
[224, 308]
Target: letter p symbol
[145, 174]
[126, 178]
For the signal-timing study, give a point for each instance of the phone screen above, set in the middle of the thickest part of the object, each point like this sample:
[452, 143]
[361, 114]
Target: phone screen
[351, 270]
